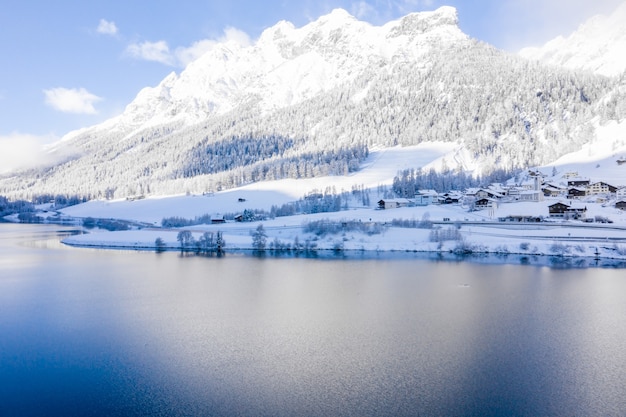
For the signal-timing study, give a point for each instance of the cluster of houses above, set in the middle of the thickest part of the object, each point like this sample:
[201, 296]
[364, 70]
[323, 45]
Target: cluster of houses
[573, 190]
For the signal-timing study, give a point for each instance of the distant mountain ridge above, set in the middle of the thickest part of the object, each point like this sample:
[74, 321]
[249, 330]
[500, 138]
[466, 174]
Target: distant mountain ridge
[304, 102]
[598, 45]
[288, 65]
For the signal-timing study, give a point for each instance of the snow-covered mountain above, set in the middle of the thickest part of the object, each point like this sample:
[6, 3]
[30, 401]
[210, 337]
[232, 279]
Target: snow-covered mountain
[310, 101]
[599, 45]
[289, 65]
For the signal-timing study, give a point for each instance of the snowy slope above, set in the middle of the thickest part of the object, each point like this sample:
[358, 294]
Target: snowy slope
[288, 65]
[317, 93]
[477, 230]
[379, 169]
[599, 45]
[597, 160]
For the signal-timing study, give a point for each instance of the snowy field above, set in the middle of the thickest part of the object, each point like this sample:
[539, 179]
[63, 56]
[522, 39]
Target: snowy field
[452, 228]
[573, 239]
[379, 168]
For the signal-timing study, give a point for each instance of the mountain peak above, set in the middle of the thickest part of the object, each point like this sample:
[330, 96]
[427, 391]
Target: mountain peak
[597, 45]
[338, 14]
[443, 16]
[288, 65]
[308, 101]
[442, 23]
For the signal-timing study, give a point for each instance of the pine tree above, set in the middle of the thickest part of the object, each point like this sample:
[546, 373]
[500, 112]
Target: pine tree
[259, 239]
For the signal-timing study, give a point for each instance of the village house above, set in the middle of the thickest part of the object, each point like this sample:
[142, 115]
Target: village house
[599, 199]
[600, 188]
[620, 204]
[426, 197]
[514, 192]
[479, 193]
[392, 203]
[620, 193]
[576, 193]
[483, 203]
[450, 198]
[218, 219]
[577, 182]
[530, 195]
[576, 212]
[499, 189]
[551, 190]
[566, 211]
[557, 209]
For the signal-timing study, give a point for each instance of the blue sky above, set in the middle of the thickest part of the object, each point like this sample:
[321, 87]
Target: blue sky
[68, 64]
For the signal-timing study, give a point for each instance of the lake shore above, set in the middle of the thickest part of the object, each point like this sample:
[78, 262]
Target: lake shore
[558, 243]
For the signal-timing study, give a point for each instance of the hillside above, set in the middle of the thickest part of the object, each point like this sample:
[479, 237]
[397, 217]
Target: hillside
[361, 230]
[314, 101]
[597, 46]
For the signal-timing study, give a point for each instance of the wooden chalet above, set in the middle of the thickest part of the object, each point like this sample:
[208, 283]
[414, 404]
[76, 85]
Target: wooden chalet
[577, 182]
[218, 219]
[449, 198]
[601, 188]
[558, 209]
[480, 193]
[563, 210]
[576, 212]
[575, 193]
[391, 203]
[483, 203]
[551, 190]
[621, 204]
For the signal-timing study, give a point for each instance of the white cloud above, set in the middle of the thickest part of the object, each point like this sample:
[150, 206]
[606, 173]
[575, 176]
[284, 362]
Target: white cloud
[362, 10]
[71, 100]
[20, 151]
[185, 55]
[412, 4]
[160, 51]
[378, 11]
[107, 28]
[236, 35]
[151, 51]
[534, 22]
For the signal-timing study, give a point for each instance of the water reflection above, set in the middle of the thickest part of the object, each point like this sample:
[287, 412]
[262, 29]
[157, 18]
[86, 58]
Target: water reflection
[558, 262]
[136, 333]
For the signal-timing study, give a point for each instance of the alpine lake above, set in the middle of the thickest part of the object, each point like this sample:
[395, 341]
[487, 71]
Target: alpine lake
[121, 333]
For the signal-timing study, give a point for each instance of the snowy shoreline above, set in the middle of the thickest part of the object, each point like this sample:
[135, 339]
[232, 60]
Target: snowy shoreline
[558, 243]
[447, 229]
[519, 258]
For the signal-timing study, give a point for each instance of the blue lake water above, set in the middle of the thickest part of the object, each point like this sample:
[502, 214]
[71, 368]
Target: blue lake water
[106, 333]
